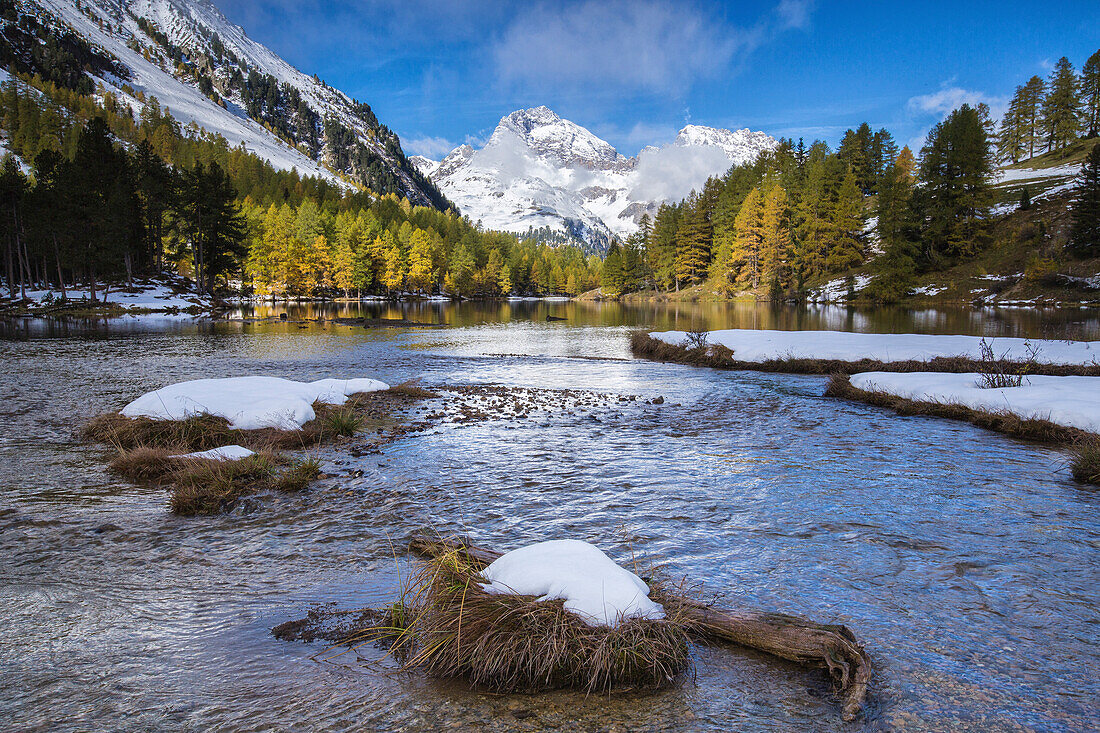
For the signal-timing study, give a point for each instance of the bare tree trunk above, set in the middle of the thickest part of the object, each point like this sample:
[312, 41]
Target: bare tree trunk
[60, 274]
[792, 638]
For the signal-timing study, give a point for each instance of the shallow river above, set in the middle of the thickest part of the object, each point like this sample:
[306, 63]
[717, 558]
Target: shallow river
[966, 561]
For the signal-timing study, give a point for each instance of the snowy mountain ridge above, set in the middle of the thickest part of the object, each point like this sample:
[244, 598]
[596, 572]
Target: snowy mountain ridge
[538, 171]
[206, 70]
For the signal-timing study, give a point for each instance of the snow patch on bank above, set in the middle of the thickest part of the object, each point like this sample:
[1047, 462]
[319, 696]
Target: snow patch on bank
[593, 587]
[225, 453]
[757, 346]
[1069, 401]
[248, 403]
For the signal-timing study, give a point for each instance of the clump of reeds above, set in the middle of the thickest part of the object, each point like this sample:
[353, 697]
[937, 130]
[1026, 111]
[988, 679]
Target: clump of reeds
[998, 372]
[203, 486]
[1086, 461]
[411, 389]
[209, 486]
[445, 624]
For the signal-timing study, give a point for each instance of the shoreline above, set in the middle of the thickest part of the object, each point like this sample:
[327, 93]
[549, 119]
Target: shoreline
[1083, 444]
[644, 346]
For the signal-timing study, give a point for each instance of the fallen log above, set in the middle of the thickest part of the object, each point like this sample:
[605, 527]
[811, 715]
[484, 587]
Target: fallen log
[793, 638]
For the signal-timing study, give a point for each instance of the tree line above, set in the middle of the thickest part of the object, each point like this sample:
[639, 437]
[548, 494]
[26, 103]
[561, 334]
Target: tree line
[1048, 115]
[798, 214]
[111, 196]
[793, 214]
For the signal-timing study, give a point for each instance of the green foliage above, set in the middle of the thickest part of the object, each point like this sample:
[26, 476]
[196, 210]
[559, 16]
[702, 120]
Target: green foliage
[954, 194]
[1085, 232]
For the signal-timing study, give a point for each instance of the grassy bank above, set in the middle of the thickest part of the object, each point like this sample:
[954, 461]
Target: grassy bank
[644, 346]
[149, 450]
[200, 486]
[1083, 445]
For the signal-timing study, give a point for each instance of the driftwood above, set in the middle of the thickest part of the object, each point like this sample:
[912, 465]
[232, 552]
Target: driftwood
[792, 638]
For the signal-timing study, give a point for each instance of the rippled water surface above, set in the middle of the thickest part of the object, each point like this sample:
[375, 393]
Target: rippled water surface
[966, 561]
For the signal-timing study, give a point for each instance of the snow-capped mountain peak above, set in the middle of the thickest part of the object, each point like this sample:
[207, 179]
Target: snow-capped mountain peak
[556, 140]
[741, 146]
[538, 170]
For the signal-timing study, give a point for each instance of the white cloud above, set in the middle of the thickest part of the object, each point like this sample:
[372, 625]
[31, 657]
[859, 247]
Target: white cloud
[794, 13]
[671, 172]
[941, 103]
[645, 45]
[430, 147]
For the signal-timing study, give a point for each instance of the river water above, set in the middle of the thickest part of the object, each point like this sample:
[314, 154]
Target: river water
[966, 561]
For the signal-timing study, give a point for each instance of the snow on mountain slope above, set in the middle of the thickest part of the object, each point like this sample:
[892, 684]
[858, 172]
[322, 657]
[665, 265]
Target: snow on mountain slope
[206, 70]
[539, 170]
[185, 102]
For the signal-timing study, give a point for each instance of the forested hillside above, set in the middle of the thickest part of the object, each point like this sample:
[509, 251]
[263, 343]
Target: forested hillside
[801, 215]
[111, 196]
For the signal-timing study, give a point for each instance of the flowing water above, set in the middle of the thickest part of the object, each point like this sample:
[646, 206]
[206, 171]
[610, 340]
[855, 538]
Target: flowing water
[966, 561]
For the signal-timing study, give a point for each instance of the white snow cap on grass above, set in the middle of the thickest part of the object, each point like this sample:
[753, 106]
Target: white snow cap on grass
[593, 587]
[1070, 401]
[753, 345]
[248, 403]
[225, 453]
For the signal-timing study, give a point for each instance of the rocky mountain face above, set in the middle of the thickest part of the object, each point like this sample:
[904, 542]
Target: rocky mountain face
[541, 175]
[208, 72]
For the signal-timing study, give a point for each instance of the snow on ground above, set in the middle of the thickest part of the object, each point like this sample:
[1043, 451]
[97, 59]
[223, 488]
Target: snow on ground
[225, 453]
[1070, 401]
[248, 403]
[836, 290]
[153, 298]
[929, 290]
[753, 345]
[148, 295]
[593, 587]
[1008, 175]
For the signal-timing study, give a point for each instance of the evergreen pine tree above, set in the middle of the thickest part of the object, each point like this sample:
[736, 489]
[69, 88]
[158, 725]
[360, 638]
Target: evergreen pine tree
[1031, 106]
[1011, 136]
[744, 257]
[1090, 94]
[1061, 107]
[955, 193]
[846, 247]
[1085, 232]
[693, 242]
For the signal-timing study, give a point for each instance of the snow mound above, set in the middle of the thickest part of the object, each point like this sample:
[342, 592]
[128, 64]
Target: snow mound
[225, 453]
[755, 346]
[248, 403]
[593, 587]
[1069, 401]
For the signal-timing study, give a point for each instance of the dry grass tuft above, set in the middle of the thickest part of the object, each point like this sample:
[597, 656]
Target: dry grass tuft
[202, 486]
[1086, 461]
[411, 389]
[208, 486]
[446, 625]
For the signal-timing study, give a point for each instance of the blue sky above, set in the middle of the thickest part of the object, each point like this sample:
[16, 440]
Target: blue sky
[635, 71]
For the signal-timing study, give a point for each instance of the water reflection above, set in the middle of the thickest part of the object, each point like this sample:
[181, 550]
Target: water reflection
[1075, 323]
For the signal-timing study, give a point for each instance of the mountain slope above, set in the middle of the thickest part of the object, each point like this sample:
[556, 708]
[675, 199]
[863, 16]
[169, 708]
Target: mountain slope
[546, 176]
[207, 71]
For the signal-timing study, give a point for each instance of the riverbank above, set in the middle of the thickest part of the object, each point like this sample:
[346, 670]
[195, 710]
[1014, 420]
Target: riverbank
[832, 352]
[165, 293]
[1059, 411]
